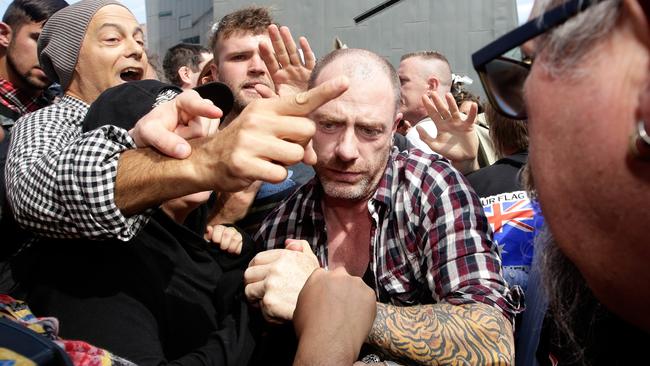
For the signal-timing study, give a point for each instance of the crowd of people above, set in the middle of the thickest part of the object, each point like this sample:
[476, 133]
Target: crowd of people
[245, 203]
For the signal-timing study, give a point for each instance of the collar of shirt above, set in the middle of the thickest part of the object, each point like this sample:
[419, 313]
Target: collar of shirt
[74, 102]
[311, 219]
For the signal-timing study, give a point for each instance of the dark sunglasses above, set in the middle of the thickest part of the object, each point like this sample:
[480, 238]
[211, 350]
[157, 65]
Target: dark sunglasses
[502, 77]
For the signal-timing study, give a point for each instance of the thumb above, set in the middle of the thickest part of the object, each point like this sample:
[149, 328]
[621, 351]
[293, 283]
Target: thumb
[298, 246]
[165, 141]
[208, 233]
[310, 157]
[265, 91]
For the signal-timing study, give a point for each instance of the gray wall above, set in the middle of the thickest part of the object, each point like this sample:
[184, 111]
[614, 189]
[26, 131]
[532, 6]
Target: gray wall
[453, 27]
[172, 21]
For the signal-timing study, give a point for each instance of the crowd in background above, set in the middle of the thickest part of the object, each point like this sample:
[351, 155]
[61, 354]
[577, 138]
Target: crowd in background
[242, 202]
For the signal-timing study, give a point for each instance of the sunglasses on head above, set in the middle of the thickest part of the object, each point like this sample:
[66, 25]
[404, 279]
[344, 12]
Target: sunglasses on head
[503, 77]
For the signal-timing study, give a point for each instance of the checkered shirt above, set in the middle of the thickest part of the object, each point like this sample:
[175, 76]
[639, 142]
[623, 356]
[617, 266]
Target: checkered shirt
[60, 182]
[430, 240]
[17, 100]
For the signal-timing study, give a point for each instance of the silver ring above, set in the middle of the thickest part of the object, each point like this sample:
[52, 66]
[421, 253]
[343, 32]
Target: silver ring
[640, 142]
[641, 133]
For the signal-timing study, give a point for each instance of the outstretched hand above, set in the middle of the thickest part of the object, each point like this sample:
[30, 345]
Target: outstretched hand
[168, 126]
[457, 139]
[268, 136]
[288, 71]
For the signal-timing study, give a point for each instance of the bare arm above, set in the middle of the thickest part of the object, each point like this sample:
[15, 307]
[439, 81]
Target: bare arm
[267, 136]
[444, 334]
[332, 318]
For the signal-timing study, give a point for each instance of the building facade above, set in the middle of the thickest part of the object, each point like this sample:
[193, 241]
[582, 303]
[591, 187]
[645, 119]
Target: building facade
[172, 21]
[454, 27]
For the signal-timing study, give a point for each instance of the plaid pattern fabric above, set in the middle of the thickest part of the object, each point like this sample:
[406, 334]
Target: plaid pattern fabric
[80, 353]
[431, 242]
[60, 182]
[17, 101]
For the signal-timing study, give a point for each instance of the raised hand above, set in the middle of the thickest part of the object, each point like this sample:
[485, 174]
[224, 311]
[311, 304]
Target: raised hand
[289, 73]
[457, 139]
[268, 136]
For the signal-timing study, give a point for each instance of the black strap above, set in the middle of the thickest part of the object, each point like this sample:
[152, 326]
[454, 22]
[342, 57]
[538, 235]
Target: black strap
[7, 115]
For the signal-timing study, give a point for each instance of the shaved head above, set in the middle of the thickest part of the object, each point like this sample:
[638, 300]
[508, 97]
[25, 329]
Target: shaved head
[358, 64]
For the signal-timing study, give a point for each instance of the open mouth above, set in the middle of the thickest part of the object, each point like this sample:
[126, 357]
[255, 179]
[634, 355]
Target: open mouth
[131, 74]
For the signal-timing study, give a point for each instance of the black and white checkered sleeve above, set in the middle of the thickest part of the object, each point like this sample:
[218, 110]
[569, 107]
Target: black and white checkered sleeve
[60, 183]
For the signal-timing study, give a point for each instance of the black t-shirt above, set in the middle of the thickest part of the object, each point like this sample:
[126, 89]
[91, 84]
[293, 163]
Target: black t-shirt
[502, 176]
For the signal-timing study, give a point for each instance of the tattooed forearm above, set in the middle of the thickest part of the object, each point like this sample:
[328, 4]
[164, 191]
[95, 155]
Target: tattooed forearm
[443, 334]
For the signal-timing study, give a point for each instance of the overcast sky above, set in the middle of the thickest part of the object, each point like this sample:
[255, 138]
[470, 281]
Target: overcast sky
[137, 7]
[523, 9]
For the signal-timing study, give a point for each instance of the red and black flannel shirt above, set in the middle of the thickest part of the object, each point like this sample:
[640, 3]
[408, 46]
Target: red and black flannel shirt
[431, 242]
[17, 100]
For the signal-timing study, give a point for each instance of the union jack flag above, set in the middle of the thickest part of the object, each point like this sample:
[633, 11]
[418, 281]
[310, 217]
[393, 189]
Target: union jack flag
[513, 223]
[517, 213]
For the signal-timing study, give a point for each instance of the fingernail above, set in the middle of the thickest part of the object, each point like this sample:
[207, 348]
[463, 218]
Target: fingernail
[342, 81]
[182, 150]
[301, 98]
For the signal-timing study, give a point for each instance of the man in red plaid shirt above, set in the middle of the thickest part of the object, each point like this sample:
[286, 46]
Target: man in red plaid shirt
[407, 223]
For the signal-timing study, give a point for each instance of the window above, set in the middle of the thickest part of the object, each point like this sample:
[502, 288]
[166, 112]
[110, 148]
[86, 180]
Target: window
[185, 22]
[194, 40]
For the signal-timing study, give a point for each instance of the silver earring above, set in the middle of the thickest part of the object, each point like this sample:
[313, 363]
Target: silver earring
[640, 142]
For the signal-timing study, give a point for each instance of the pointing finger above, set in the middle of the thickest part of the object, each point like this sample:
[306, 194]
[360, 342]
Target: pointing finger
[302, 104]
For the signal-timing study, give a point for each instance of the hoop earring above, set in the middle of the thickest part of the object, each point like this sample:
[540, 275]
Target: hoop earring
[640, 142]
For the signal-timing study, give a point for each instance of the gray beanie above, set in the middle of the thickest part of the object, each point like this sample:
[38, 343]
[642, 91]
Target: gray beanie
[60, 41]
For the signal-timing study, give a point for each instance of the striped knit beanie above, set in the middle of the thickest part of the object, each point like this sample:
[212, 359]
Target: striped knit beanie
[60, 41]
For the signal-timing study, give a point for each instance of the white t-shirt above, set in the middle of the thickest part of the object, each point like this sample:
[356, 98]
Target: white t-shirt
[414, 137]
